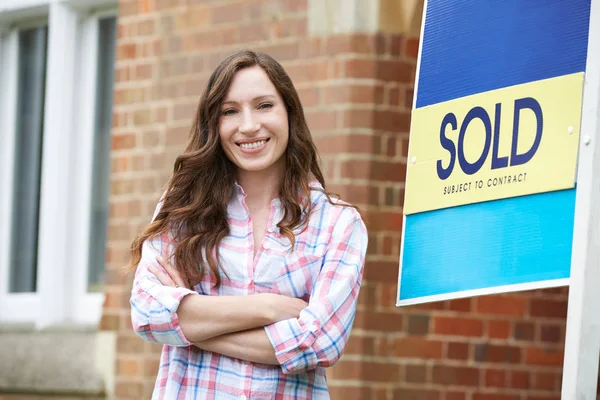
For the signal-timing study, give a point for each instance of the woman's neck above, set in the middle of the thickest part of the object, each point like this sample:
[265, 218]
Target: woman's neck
[260, 187]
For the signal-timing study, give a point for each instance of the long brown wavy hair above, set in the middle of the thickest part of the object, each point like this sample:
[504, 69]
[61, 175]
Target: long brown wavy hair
[194, 206]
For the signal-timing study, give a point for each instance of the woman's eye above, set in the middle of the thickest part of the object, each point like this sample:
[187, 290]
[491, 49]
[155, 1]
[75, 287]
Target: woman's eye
[265, 106]
[229, 111]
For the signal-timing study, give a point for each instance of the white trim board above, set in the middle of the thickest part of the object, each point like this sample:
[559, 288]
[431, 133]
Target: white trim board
[582, 343]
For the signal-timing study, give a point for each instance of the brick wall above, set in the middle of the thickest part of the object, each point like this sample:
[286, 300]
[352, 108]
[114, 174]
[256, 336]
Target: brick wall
[357, 93]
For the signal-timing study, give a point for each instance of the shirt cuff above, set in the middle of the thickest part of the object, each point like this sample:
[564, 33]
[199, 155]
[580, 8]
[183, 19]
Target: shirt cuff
[293, 344]
[179, 295]
[163, 326]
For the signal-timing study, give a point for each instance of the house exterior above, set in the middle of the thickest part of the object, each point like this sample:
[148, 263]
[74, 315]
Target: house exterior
[96, 101]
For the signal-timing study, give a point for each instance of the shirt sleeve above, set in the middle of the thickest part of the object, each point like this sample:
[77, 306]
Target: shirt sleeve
[319, 336]
[153, 305]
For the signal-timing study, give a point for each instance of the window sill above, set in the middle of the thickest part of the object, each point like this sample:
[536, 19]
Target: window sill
[60, 363]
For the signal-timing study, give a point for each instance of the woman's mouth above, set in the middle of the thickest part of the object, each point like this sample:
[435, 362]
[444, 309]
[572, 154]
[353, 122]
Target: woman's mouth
[256, 145]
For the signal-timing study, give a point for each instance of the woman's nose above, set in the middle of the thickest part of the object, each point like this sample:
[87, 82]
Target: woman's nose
[248, 124]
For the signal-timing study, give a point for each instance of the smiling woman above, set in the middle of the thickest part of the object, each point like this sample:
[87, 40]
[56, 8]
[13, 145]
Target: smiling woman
[250, 271]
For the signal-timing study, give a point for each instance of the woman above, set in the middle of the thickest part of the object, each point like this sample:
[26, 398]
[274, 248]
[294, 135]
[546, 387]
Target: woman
[250, 272]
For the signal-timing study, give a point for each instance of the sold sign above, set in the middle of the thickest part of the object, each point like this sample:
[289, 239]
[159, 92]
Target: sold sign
[498, 144]
[479, 113]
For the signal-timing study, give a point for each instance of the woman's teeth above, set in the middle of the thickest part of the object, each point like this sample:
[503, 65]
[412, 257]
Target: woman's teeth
[252, 145]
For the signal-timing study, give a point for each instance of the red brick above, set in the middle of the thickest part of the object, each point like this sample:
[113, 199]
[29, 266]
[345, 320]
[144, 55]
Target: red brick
[520, 379]
[356, 144]
[382, 220]
[358, 118]
[433, 306]
[128, 389]
[497, 354]
[418, 324]
[346, 369]
[356, 94]
[396, 71]
[551, 333]
[524, 331]
[128, 367]
[360, 345]
[388, 245]
[151, 367]
[396, 44]
[126, 51]
[380, 372]
[360, 68]
[495, 396]
[417, 347]
[416, 373]
[321, 120]
[416, 394]
[392, 121]
[309, 96]
[548, 357]
[459, 376]
[228, 13]
[309, 72]
[388, 294]
[379, 321]
[501, 305]
[412, 48]
[373, 170]
[495, 378]
[545, 381]
[455, 395]
[458, 326]
[349, 392]
[458, 351]
[281, 52]
[356, 195]
[464, 305]
[548, 308]
[499, 329]
[381, 271]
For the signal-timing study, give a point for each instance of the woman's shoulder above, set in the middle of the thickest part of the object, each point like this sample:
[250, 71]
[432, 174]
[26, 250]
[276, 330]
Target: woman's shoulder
[330, 206]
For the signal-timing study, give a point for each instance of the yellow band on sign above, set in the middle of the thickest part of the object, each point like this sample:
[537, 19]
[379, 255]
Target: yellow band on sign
[503, 143]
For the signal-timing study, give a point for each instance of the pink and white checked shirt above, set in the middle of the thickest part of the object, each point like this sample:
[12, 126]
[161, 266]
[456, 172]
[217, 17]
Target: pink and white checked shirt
[324, 269]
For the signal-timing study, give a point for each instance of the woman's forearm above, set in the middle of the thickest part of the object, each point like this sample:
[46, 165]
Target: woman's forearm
[251, 345]
[203, 317]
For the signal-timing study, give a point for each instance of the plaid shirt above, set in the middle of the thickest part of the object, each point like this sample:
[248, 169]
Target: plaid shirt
[324, 269]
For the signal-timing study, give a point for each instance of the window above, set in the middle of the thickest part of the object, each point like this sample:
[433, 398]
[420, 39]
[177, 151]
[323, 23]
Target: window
[56, 85]
[28, 158]
[100, 173]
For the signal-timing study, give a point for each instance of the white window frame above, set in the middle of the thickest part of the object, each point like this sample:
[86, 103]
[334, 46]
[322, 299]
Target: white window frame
[62, 296]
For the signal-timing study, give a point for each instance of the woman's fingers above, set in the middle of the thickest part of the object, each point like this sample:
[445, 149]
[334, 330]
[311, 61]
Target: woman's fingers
[172, 271]
[163, 277]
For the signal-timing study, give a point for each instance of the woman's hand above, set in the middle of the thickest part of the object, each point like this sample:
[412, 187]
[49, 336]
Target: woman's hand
[282, 307]
[172, 277]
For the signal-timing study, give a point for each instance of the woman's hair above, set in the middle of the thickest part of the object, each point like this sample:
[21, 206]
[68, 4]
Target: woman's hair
[194, 206]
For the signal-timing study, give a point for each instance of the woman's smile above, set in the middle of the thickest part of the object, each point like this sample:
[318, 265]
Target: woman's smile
[253, 146]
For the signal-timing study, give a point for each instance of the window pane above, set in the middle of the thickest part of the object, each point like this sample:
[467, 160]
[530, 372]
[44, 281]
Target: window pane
[101, 167]
[28, 162]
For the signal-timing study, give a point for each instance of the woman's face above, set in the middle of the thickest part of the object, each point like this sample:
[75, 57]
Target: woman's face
[253, 125]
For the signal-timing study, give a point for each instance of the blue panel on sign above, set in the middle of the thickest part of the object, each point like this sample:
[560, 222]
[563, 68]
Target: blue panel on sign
[472, 46]
[497, 243]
